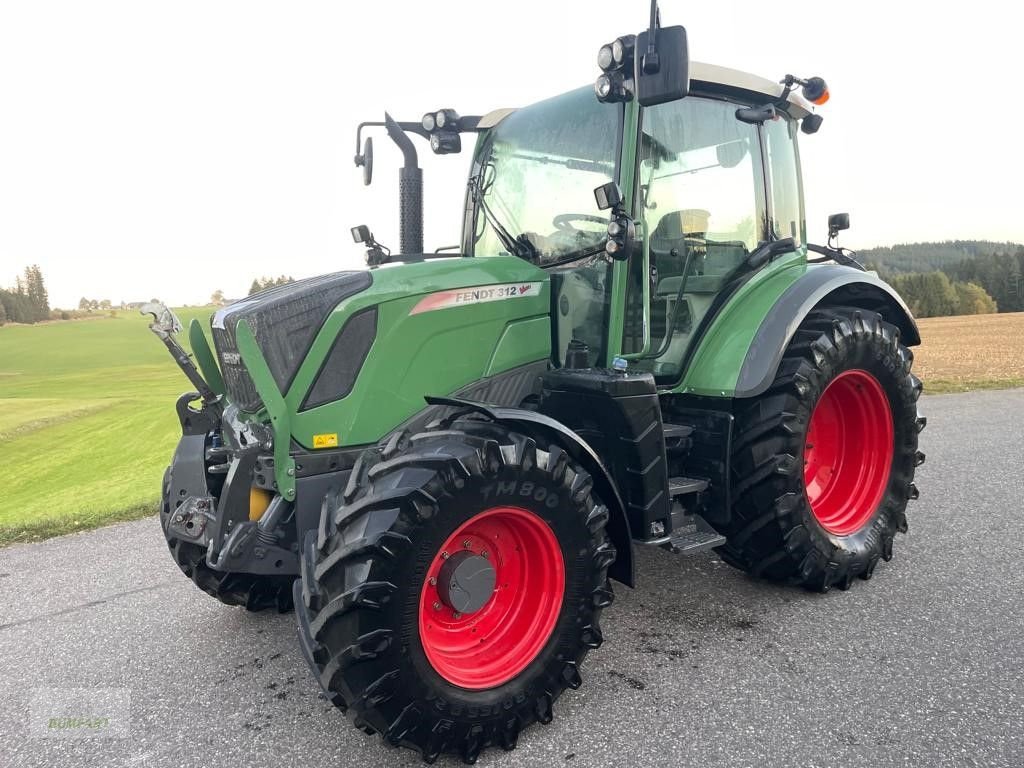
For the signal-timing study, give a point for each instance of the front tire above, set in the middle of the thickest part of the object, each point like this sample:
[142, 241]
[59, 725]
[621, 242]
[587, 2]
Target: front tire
[253, 592]
[823, 462]
[453, 664]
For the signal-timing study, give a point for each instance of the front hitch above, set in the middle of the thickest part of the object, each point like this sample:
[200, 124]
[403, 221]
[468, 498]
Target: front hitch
[165, 325]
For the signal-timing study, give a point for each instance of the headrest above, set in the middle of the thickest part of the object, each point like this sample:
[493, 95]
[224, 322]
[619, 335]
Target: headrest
[676, 225]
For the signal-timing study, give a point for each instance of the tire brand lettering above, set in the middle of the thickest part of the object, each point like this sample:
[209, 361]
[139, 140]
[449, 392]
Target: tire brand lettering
[524, 489]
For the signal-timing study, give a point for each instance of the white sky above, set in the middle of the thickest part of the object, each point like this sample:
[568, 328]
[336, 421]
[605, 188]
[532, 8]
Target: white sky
[168, 149]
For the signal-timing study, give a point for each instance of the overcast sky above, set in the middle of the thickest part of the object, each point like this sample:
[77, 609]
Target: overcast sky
[168, 149]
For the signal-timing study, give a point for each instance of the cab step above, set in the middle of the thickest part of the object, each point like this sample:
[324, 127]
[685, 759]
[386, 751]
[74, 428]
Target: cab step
[682, 486]
[676, 431]
[691, 540]
[678, 440]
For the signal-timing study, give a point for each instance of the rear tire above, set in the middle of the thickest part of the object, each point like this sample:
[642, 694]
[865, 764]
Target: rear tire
[254, 593]
[821, 510]
[379, 638]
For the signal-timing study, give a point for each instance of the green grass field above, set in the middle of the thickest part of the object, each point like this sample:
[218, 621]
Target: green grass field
[87, 423]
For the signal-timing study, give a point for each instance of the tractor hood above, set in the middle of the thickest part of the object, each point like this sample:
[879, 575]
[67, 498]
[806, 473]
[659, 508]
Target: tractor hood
[351, 355]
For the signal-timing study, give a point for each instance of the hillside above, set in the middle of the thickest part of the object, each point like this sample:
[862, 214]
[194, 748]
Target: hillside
[928, 257]
[87, 417]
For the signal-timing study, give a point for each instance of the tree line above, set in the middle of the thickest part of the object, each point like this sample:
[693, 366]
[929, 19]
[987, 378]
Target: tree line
[262, 283]
[27, 301]
[979, 284]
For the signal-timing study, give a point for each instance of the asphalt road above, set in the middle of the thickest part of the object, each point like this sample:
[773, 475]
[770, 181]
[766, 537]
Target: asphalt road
[922, 666]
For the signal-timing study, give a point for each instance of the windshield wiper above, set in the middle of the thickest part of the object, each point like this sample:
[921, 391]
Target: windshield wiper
[579, 253]
[518, 245]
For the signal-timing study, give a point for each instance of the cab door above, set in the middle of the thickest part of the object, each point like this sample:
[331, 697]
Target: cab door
[701, 203]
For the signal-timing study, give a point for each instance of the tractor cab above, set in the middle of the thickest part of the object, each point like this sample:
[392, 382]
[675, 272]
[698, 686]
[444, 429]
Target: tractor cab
[705, 176]
[697, 180]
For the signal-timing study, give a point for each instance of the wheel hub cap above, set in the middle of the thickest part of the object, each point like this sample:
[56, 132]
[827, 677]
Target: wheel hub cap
[466, 582]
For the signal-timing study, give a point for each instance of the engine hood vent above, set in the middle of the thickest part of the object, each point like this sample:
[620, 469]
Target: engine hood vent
[285, 320]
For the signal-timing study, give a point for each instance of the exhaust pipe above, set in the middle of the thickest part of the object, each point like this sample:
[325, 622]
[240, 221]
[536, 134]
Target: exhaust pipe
[410, 191]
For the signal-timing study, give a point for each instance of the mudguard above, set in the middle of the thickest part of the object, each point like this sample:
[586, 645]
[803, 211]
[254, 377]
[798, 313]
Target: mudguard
[532, 422]
[739, 350]
[821, 284]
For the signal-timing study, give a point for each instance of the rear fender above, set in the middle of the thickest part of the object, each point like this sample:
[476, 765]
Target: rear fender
[820, 285]
[738, 353]
[531, 422]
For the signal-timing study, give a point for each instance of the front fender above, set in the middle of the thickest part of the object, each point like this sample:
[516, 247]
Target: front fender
[532, 422]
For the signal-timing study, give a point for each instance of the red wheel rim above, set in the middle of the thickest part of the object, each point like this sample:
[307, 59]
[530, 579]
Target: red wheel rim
[848, 452]
[492, 645]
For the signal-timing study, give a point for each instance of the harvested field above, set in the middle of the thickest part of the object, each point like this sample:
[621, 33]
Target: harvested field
[971, 352]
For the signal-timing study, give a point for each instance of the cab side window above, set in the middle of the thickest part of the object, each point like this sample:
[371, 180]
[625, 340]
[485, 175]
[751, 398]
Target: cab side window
[787, 217]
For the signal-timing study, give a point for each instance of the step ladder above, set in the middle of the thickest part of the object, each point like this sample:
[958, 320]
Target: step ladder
[690, 533]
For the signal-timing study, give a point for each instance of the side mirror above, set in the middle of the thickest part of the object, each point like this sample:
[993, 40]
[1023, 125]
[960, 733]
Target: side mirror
[365, 161]
[608, 196]
[662, 62]
[837, 222]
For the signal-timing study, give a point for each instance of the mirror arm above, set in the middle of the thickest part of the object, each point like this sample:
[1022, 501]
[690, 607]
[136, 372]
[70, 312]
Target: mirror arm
[838, 255]
[652, 62]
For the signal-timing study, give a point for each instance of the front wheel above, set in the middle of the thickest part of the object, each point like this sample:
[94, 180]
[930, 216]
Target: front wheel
[455, 587]
[823, 462]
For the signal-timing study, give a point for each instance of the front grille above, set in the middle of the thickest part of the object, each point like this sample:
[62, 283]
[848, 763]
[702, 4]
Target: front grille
[285, 320]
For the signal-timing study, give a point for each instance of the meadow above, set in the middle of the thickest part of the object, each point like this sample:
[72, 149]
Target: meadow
[87, 420]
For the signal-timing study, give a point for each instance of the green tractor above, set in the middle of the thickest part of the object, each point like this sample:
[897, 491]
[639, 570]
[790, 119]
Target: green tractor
[442, 461]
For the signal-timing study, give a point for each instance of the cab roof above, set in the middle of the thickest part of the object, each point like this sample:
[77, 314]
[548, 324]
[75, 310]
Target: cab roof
[710, 77]
[713, 75]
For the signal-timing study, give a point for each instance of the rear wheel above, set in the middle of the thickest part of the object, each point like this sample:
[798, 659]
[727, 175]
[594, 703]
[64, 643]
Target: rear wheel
[455, 587]
[823, 462]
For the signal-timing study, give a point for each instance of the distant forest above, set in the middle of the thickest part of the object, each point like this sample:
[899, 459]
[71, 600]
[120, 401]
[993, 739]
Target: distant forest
[27, 301]
[957, 277]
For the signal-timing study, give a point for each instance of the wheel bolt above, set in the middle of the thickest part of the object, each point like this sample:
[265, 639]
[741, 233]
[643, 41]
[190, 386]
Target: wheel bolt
[437, 606]
[445, 555]
[466, 544]
[456, 615]
[432, 581]
[483, 553]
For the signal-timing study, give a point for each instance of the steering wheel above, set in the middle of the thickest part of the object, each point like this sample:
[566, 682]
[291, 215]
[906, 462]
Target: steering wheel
[561, 222]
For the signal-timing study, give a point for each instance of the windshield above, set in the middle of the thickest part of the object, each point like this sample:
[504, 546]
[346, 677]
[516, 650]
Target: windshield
[532, 187]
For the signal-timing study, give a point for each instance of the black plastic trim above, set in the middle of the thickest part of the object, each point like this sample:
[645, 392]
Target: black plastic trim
[821, 284]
